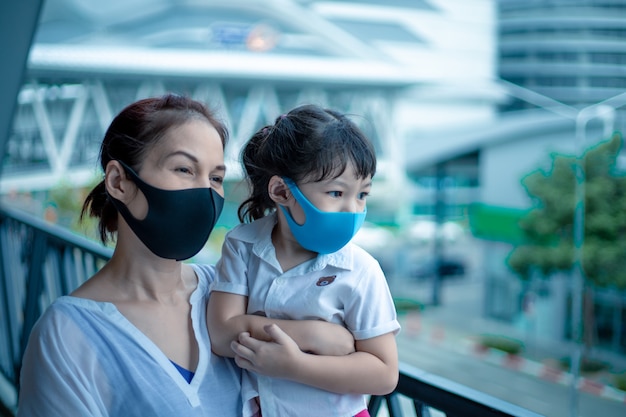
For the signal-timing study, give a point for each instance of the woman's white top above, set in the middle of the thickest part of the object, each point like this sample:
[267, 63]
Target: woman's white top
[84, 358]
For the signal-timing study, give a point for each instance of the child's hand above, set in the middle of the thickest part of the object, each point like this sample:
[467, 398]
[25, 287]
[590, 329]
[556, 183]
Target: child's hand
[277, 358]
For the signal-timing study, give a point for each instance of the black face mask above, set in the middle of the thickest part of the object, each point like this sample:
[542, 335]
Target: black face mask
[178, 222]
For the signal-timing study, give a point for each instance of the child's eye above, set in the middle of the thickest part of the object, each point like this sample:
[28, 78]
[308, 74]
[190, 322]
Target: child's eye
[363, 195]
[335, 193]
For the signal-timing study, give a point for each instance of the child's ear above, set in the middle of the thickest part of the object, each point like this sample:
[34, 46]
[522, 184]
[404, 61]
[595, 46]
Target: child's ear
[278, 191]
[115, 181]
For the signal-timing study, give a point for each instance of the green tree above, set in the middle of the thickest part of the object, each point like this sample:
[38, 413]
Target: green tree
[548, 227]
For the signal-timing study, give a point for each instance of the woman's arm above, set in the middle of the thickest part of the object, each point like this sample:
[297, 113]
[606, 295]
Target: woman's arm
[226, 319]
[372, 369]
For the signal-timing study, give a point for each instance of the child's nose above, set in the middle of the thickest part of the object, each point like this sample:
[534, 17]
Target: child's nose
[351, 206]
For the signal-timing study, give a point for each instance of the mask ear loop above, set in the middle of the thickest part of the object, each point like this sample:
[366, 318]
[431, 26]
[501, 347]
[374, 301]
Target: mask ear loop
[289, 187]
[296, 193]
[308, 208]
[127, 168]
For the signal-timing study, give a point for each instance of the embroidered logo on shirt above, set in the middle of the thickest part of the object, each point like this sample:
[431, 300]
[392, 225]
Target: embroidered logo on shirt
[324, 281]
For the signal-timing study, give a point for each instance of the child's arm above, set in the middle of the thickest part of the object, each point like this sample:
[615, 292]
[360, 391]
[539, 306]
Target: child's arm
[372, 369]
[226, 319]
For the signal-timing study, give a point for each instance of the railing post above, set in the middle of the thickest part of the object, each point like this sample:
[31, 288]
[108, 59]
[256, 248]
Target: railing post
[34, 288]
[393, 404]
[421, 409]
[8, 302]
[392, 401]
[374, 404]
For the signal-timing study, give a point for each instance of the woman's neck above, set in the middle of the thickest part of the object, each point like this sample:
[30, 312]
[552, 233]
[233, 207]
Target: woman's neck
[131, 277]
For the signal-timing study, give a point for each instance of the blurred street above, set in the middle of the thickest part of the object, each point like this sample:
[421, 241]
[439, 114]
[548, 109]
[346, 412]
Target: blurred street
[438, 340]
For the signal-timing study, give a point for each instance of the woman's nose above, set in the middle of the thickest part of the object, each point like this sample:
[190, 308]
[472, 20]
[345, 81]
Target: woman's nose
[204, 182]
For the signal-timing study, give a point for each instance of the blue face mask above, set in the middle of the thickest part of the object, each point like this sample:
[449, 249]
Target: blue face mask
[323, 231]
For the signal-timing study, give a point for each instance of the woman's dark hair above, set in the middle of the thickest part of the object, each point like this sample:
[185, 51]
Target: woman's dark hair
[131, 135]
[308, 144]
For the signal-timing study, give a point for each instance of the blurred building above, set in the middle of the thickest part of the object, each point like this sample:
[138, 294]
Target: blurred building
[570, 50]
[401, 66]
[554, 59]
[566, 55]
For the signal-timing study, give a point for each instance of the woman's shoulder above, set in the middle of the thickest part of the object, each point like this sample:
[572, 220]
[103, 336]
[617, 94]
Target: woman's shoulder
[205, 274]
[66, 305]
[60, 317]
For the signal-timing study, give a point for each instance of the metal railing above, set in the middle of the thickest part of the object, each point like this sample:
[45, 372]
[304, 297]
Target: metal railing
[419, 393]
[41, 261]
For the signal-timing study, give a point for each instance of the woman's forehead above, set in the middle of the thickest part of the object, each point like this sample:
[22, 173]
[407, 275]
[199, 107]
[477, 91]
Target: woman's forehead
[196, 137]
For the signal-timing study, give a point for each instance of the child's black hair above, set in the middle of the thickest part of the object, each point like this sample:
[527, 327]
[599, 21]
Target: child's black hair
[308, 144]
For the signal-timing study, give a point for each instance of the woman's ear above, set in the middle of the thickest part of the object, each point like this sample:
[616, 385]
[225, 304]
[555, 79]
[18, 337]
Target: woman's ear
[278, 191]
[116, 182]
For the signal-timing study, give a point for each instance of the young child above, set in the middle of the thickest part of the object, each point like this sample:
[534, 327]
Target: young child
[310, 174]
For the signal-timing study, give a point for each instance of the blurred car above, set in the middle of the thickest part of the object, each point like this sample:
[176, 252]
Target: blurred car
[426, 230]
[373, 238]
[448, 268]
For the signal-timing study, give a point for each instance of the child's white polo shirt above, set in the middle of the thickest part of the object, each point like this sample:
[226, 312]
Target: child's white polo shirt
[346, 287]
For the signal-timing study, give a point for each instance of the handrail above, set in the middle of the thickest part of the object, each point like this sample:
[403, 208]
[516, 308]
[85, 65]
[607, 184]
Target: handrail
[42, 261]
[39, 262]
[429, 391]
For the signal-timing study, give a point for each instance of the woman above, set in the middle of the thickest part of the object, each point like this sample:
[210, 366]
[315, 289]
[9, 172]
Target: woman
[132, 340]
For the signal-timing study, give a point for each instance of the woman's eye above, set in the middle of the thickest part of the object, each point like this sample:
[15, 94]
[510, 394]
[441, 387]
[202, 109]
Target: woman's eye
[184, 170]
[217, 179]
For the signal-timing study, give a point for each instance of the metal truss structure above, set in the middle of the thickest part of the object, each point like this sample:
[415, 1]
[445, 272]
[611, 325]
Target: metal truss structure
[59, 124]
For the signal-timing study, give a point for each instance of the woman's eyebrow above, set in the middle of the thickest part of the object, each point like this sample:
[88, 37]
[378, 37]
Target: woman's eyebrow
[183, 153]
[192, 157]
